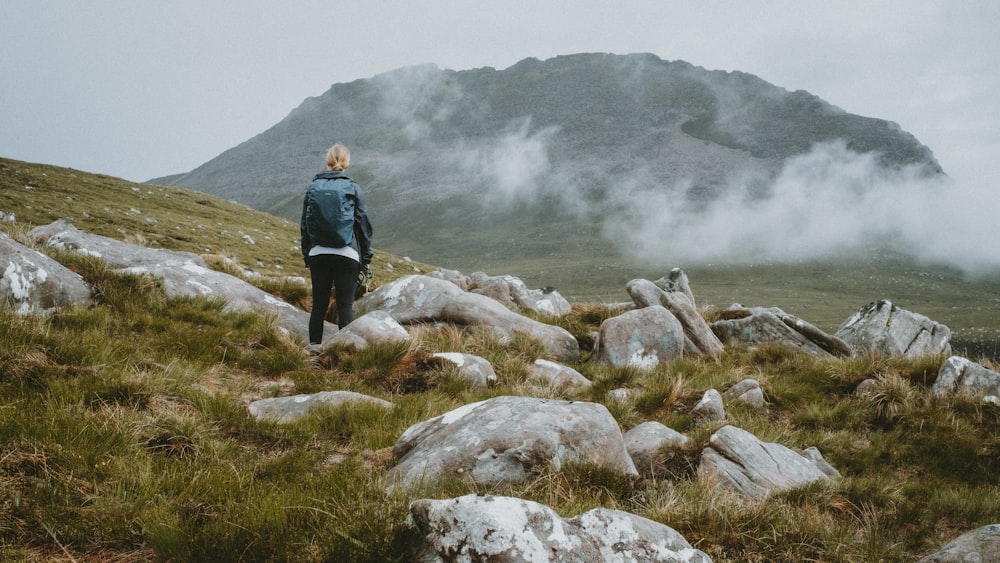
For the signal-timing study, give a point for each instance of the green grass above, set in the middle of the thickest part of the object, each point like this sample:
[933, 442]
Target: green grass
[124, 433]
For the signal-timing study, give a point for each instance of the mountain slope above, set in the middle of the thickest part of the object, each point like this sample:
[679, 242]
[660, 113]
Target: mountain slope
[486, 169]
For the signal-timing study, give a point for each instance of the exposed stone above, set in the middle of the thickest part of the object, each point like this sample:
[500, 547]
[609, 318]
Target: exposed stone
[642, 338]
[420, 299]
[509, 440]
[757, 325]
[709, 409]
[184, 274]
[377, 327]
[512, 530]
[289, 409]
[747, 392]
[739, 460]
[647, 444]
[698, 336]
[474, 369]
[512, 292]
[676, 282]
[958, 374]
[981, 545]
[31, 282]
[883, 328]
[558, 376]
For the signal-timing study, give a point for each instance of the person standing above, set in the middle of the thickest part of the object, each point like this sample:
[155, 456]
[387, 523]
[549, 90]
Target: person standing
[336, 240]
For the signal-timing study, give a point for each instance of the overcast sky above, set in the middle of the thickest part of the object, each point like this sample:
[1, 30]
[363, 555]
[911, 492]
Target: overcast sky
[140, 89]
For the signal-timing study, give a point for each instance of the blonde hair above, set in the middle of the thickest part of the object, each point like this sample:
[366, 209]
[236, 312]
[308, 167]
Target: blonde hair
[338, 157]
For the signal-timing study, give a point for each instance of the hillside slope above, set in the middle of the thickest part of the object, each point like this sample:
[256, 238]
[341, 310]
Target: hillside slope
[485, 168]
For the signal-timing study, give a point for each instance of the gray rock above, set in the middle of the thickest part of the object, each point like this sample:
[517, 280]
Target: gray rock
[508, 440]
[31, 282]
[420, 299]
[289, 409]
[512, 292]
[184, 274]
[758, 325]
[474, 369]
[507, 529]
[883, 328]
[958, 374]
[557, 376]
[377, 327]
[676, 282]
[453, 276]
[739, 460]
[642, 338]
[747, 392]
[698, 336]
[647, 442]
[709, 409]
[978, 546]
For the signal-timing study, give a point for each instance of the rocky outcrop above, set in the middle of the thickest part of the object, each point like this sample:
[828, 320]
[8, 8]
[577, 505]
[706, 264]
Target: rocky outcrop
[648, 443]
[377, 327]
[284, 410]
[709, 409]
[507, 440]
[641, 338]
[423, 299]
[746, 392]
[507, 529]
[557, 376]
[476, 370]
[739, 460]
[183, 274]
[980, 546]
[31, 282]
[510, 291]
[515, 295]
[958, 374]
[757, 325]
[698, 336]
[883, 328]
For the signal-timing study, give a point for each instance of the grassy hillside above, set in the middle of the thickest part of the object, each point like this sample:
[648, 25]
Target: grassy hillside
[124, 433]
[161, 217]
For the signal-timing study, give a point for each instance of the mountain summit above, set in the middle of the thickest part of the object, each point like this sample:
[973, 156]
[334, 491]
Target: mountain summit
[498, 168]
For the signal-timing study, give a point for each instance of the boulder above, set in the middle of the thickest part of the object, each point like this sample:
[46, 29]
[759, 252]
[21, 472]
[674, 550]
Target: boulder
[507, 529]
[739, 460]
[709, 409]
[698, 336]
[515, 295]
[980, 545]
[509, 440]
[31, 282]
[747, 392]
[757, 325]
[647, 443]
[184, 274]
[474, 369]
[557, 376]
[958, 374]
[883, 328]
[420, 299]
[289, 409]
[641, 338]
[377, 327]
[676, 282]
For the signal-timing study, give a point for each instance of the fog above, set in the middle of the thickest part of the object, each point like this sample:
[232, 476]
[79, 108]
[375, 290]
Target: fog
[829, 203]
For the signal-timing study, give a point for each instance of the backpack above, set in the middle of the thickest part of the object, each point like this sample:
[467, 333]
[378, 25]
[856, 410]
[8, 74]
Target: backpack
[330, 212]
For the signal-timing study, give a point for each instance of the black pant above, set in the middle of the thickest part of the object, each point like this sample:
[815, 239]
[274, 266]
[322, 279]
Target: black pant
[340, 272]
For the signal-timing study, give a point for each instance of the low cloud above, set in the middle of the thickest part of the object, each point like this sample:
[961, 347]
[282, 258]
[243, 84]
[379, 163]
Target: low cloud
[826, 203]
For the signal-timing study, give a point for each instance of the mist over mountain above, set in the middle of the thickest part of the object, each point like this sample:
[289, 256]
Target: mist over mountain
[587, 160]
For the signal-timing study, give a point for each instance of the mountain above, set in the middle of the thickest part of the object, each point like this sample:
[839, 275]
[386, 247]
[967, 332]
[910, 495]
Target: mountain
[547, 161]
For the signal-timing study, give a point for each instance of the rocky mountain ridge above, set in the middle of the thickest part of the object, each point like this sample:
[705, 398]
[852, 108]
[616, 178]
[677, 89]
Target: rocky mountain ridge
[462, 166]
